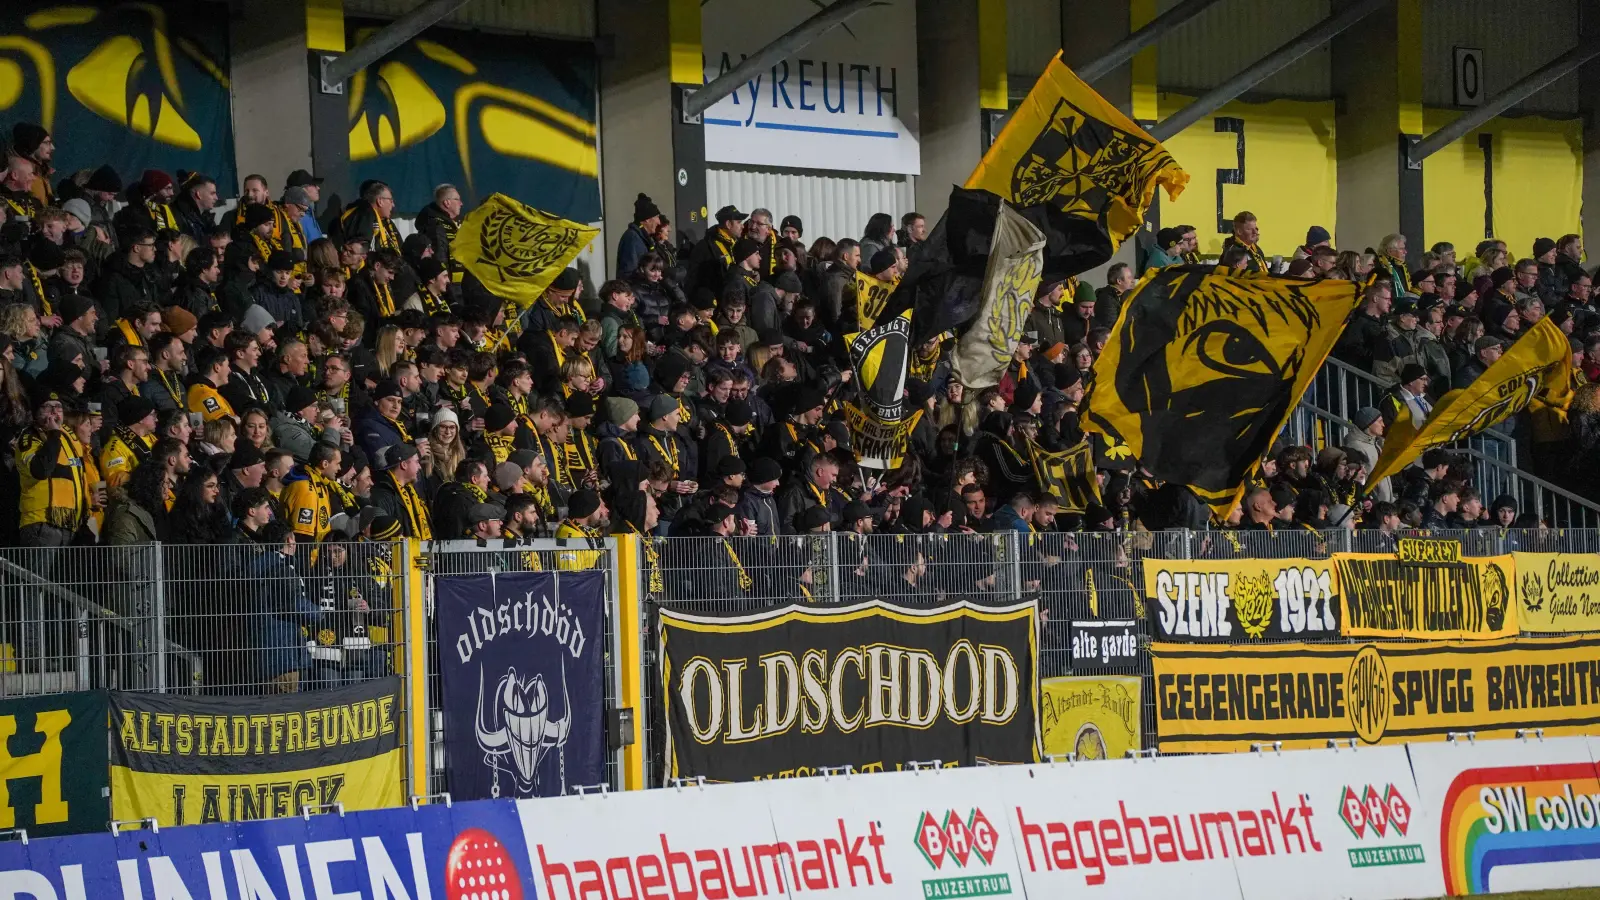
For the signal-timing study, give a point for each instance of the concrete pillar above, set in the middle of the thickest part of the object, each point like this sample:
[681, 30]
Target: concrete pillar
[271, 120]
[1377, 74]
[635, 127]
[1589, 107]
[948, 85]
[330, 116]
[1088, 30]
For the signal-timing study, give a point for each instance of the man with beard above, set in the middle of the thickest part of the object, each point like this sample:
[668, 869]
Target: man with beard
[438, 222]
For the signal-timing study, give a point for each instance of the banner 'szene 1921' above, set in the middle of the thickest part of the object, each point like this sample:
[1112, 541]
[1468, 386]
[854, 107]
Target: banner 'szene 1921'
[794, 690]
[1242, 600]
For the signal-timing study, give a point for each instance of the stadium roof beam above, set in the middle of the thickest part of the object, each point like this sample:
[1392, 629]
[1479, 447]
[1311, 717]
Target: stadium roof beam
[1145, 37]
[698, 100]
[1525, 87]
[388, 39]
[1268, 65]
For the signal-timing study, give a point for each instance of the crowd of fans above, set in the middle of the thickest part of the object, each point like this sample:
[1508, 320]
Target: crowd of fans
[282, 375]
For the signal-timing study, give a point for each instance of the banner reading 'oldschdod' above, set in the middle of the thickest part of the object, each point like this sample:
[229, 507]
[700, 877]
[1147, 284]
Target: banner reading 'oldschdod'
[186, 761]
[794, 690]
[1218, 697]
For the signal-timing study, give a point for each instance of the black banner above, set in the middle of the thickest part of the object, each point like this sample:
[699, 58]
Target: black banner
[53, 764]
[1242, 600]
[1110, 648]
[193, 760]
[875, 686]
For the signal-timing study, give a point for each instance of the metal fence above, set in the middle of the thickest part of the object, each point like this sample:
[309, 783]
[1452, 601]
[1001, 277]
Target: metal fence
[1072, 577]
[211, 619]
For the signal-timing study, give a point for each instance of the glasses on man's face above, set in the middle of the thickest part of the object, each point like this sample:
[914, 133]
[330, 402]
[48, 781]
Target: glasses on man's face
[146, 246]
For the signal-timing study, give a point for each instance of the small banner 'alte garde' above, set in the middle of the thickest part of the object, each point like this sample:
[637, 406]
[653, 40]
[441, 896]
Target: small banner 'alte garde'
[1536, 371]
[1067, 149]
[516, 250]
[1016, 262]
[1204, 367]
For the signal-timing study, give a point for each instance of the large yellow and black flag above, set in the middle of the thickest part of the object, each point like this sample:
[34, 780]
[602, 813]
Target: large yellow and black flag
[1068, 150]
[516, 250]
[1536, 372]
[1204, 367]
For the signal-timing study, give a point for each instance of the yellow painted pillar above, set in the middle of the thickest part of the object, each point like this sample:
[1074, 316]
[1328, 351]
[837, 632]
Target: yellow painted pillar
[630, 631]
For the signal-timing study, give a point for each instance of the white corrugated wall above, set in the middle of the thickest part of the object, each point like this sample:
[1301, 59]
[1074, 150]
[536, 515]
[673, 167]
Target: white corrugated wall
[1228, 37]
[831, 204]
[1515, 38]
[553, 18]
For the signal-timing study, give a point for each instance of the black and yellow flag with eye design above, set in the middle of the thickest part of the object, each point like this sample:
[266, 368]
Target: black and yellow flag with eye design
[1068, 150]
[1534, 372]
[516, 250]
[1204, 367]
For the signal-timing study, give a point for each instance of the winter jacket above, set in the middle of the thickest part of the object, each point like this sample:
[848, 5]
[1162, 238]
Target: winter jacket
[121, 287]
[293, 435]
[1370, 448]
[284, 616]
[631, 248]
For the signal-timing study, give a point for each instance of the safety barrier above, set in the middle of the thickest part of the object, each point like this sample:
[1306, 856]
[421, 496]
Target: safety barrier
[1372, 823]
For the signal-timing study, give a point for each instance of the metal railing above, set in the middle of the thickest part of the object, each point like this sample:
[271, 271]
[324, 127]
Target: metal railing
[1493, 475]
[1072, 576]
[1340, 389]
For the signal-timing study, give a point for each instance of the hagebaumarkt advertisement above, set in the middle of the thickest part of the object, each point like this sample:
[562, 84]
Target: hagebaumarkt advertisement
[1242, 600]
[1427, 590]
[466, 851]
[1513, 815]
[53, 760]
[182, 760]
[794, 690]
[1265, 825]
[1093, 717]
[1558, 591]
[846, 100]
[1221, 698]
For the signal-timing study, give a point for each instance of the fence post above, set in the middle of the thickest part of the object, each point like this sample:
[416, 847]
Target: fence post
[415, 665]
[1014, 554]
[158, 614]
[630, 655]
[833, 567]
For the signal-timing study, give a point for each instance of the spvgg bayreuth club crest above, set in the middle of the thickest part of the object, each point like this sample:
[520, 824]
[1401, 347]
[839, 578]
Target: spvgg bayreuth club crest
[519, 247]
[1078, 162]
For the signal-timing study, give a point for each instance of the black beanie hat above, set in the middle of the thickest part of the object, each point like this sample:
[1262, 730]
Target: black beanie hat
[644, 208]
